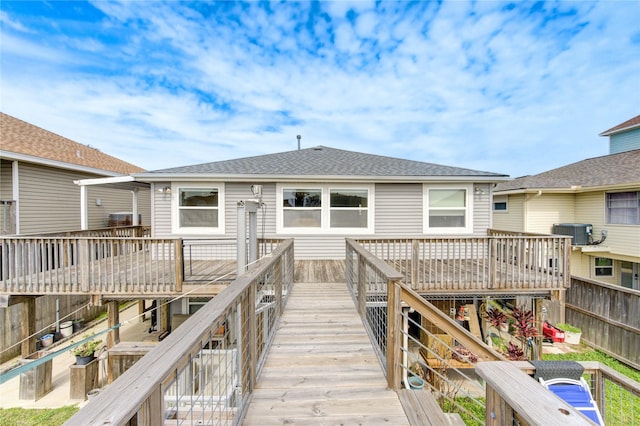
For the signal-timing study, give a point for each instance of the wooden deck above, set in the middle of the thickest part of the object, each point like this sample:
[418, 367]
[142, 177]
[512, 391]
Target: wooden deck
[321, 368]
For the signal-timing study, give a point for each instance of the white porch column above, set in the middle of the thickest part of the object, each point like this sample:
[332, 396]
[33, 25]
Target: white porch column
[84, 210]
[135, 220]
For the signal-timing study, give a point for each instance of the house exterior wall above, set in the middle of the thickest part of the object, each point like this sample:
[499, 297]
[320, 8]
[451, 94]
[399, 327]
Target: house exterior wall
[625, 141]
[398, 211]
[542, 212]
[50, 200]
[547, 209]
[513, 218]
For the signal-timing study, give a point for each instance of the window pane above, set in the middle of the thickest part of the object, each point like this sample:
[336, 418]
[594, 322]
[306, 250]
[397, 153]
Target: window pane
[348, 218]
[501, 206]
[302, 218]
[623, 208]
[603, 261]
[199, 218]
[604, 272]
[349, 198]
[443, 198]
[446, 219]
[199, 197]
[302, 198]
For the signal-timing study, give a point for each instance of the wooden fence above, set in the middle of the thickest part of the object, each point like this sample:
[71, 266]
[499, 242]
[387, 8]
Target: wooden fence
[608, 315]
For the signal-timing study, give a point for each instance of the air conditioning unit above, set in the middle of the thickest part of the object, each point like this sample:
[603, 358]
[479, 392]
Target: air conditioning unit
[579, 232]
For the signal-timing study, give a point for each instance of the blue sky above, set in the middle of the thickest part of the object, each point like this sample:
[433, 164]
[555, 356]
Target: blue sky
[508, 87]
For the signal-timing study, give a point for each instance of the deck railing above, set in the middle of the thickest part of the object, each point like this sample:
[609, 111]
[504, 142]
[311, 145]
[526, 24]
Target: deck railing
[90, 265]
[205, 371]
[384, 303]
[497, 263]
[114, 261]
[119, 231]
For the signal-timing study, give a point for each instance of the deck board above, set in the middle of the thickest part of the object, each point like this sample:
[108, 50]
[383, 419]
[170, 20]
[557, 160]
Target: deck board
[321, 368]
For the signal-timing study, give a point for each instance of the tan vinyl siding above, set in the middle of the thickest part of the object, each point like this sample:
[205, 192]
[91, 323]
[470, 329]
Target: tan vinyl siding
[398, 209]
[545, 210]
[6, 192]
[49, 200]
[115, 201]
[622, 240]
[513, 218]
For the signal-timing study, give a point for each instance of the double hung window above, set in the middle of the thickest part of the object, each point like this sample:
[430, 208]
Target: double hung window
[198, 209]
[623, 208]
[447, 209]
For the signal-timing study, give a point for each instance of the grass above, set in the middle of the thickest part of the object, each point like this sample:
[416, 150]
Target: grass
[36, 417]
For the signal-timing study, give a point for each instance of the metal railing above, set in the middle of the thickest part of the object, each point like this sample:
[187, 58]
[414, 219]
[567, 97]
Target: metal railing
[497, 263]
[205, 371]
[437, 349]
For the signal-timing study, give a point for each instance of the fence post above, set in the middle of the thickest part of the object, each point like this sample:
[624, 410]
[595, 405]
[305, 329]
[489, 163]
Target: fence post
[362, 286]
[84, 260]
[179, 263]
[415, 250]
[393, 335]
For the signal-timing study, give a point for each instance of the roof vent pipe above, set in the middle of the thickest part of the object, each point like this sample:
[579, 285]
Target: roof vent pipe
[298, 137]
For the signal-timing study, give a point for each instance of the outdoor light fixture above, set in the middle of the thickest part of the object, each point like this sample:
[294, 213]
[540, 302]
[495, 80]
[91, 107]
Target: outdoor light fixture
[165, 189]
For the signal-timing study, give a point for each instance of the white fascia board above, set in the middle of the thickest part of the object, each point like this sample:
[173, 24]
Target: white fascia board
[104, 181]
[195, 177]
[53, 163]
[635, 186]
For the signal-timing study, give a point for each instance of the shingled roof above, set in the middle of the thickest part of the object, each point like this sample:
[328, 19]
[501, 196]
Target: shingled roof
[609, 170]
[627, 125]
[322, 161]
[20, 137]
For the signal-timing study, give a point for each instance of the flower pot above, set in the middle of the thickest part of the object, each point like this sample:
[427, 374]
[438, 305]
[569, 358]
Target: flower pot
[66, 328]
[416, 382]
[84, 360]
[77, 325]
[46, 340]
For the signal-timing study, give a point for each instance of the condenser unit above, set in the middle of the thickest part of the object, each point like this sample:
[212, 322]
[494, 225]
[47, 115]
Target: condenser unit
[579, 232]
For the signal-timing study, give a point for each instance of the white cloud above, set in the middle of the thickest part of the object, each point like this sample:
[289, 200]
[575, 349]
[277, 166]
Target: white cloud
[463, 84]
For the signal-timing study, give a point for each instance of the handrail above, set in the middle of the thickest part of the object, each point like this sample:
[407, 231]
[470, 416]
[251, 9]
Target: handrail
[166, 382]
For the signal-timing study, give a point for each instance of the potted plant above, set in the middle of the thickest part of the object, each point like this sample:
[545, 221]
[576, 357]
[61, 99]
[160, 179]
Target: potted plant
[85, 352]
[571, 334]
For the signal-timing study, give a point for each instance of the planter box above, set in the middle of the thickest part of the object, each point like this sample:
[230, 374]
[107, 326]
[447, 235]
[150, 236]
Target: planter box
[572, 338]
[36, 383]
[83, 378]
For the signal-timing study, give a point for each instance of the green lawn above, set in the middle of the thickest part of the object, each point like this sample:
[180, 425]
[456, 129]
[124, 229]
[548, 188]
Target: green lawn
[36, 417]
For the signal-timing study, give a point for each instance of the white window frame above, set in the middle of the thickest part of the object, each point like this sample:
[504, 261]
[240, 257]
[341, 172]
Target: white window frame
[500, 199]
[607, 209]
[325, 225]
[175, 208]
[596, 267]
[467, 229]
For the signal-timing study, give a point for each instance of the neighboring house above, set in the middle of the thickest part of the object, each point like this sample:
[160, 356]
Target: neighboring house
[38, 196]
[321, 195]
[624, 136]
[600, 194]
[37, 173]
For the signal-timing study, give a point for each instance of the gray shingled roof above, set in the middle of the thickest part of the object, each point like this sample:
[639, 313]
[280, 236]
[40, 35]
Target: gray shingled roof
[615, 169]
[630, 124]
[324, 161]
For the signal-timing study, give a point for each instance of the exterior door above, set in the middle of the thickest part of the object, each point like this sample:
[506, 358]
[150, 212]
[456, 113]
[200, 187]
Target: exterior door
[629, 272]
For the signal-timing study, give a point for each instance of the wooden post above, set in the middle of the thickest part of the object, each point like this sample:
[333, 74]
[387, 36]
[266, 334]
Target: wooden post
[362, 287]
[85, 260]
[179, 263]
[538, 321]
[141, 310]
[394, 325]
[278, 280]
[113, 311]
[165, 323]
[28, 327]
[415, 259]
[253, 335]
